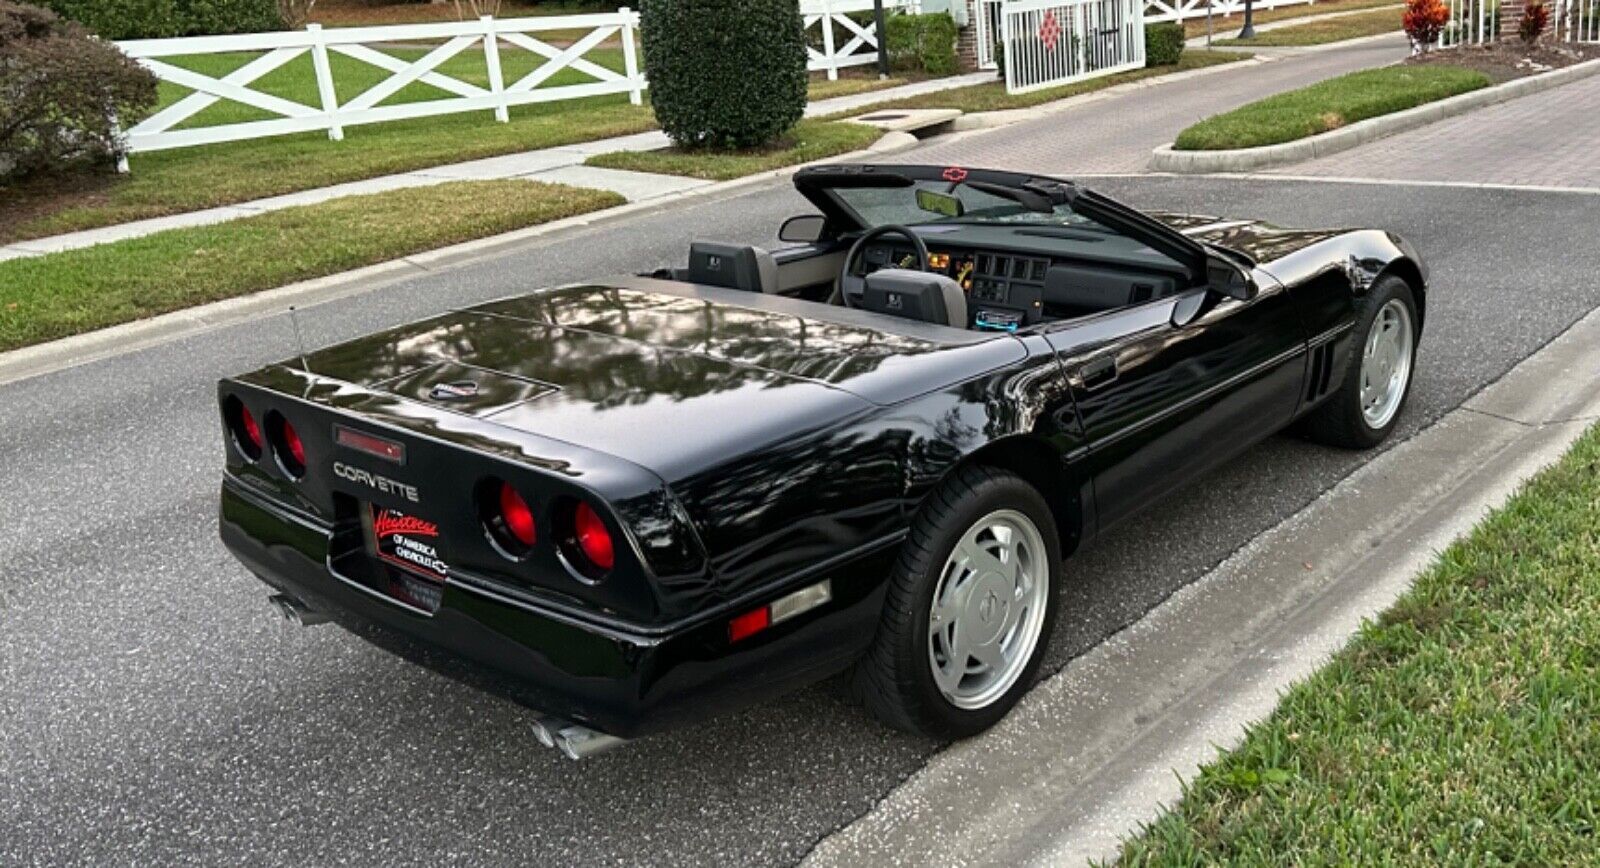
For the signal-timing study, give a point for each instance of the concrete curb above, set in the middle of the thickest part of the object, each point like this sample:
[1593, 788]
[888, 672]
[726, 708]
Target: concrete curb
[1166, 159]
[1096, 749]
[45, 358]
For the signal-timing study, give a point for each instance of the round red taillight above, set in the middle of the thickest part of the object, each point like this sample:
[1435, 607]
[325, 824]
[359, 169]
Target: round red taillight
[246, 433]
[252, 431]
[594, 540]
[291, 439]
[516, 516]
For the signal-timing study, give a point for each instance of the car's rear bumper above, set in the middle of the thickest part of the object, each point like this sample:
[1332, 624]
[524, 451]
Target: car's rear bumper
[623, 682]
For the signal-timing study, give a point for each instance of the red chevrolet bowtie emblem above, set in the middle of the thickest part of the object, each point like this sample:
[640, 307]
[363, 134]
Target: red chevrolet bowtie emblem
[1050, 30]
[955, 174]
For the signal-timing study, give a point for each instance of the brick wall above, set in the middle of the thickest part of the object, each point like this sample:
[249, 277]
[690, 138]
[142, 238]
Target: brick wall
[1510, 18]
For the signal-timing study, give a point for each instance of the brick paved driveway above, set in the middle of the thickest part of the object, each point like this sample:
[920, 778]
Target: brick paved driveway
[1548, 139]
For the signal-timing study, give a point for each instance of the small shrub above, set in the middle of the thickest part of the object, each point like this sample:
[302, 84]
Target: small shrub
[155, 19]
[1163, 43]
[724, 73]
[1535, 19]
[923, 42]
[64, 92]
[1423, 21]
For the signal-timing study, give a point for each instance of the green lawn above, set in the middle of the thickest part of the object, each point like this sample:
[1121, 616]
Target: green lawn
[1227, 25]
[1459, 728]
[62, 294]
[993, 96]
[809, 140]
[190, 179]
[1330, 30]
[1328, 105]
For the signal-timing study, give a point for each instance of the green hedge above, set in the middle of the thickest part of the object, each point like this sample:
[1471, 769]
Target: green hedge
[154, 19]
[724, 73]
[923, 42]
[1163, 43]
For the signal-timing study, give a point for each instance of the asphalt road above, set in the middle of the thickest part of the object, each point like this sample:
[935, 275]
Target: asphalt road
[153, 709]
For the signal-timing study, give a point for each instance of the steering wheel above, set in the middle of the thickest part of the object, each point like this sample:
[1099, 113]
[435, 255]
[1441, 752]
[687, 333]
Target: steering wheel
[853, 288]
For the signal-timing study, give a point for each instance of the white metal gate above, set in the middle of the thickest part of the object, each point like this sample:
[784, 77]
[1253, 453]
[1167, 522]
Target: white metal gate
[1475, 22]
[1577, 21]
[1472, 22]
[1053, 42]
[988, 31]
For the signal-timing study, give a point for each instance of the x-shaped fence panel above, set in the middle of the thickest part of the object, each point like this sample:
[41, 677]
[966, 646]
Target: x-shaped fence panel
[320, 108]
[854, 17]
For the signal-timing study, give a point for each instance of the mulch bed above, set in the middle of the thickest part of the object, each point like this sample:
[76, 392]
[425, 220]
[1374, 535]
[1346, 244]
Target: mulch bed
[50, 194]
[1511, 58]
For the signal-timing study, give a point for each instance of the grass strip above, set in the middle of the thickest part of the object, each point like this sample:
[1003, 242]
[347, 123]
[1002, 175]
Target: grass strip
[1329, 30]
[62, 294]
[809, 140]
[993, 97]
[1328, 105]
[1459, 727]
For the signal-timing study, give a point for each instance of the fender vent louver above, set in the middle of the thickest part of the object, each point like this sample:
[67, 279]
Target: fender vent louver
[1320, 377]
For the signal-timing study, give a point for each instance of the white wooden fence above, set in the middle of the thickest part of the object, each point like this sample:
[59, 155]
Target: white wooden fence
[836, 21]
[1053, 42]
[488, 35]
[1183, 10]
[1474, 22]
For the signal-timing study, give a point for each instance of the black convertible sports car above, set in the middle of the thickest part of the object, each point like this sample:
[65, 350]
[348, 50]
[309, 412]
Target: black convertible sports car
[632, 503]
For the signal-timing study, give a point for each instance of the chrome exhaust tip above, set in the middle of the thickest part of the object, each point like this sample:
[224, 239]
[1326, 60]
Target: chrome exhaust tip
[296, 612]
[574, 741]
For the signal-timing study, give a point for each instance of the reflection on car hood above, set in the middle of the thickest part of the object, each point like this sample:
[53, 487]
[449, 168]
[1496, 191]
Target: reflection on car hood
[659, 378]
[1260, 241]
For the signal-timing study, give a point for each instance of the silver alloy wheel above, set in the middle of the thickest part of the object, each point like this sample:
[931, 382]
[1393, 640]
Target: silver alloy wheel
[988, 609]
[1386, 363]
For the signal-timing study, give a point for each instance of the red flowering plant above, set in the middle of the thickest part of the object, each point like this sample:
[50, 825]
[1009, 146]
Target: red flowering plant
[1535, 18]
[1423, 21]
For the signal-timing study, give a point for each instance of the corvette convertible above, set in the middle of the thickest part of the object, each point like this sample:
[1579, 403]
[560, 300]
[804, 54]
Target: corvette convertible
[631, 503]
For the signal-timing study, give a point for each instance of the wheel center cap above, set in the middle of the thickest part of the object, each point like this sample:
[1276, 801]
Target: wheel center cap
[987, 609]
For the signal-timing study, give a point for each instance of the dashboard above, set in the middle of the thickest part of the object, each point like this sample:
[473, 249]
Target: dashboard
[1005, 291]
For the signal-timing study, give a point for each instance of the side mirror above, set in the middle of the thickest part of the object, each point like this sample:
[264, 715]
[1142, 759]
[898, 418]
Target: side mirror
[1230, 280]
[804, 229]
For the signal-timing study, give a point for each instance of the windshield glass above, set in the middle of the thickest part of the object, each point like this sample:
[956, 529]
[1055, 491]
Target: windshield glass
[879, 206]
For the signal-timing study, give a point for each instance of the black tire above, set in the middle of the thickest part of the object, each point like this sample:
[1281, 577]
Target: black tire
[1338, 421]
[895, 679]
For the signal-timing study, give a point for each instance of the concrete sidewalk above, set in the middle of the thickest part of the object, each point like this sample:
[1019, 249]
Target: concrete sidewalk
[562, 165]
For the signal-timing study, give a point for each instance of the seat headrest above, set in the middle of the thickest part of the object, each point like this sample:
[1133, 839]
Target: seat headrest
[733, 266]
[916, 295]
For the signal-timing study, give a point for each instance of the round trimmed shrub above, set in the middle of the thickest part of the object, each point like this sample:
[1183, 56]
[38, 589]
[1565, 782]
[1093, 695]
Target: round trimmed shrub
[724, 73]
[1163, 43]
[925, 43]
[62, 93]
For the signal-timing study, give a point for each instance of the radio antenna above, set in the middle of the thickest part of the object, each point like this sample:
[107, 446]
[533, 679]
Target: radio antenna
[299, 342]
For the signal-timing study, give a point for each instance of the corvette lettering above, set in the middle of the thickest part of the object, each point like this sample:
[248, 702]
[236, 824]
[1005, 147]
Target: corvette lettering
[374, 481]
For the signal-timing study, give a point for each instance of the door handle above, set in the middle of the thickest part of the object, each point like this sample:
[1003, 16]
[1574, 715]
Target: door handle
[1098, 372]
